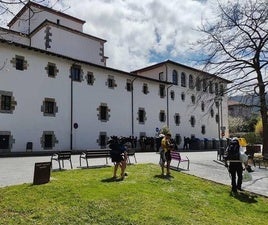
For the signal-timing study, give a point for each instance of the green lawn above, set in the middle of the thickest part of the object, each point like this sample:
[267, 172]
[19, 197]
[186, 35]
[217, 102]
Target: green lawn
[89, 196]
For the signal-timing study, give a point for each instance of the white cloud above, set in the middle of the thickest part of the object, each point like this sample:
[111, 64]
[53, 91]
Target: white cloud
[139, 33]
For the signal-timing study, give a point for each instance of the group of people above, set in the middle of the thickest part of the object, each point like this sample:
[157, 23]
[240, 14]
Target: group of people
[233, 159]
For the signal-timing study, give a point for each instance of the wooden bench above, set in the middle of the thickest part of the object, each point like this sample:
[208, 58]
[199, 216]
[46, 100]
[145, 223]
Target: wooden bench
[175, 155]
[60, 157]
[94, 153]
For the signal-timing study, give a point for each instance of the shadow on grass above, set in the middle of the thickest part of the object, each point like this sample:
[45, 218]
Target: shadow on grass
[245, 197]
[112, 179]
[165, 177]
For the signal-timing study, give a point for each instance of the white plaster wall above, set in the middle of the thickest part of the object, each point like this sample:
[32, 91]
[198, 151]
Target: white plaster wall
[152, 103]
[14, 37]
[29, 88]
[22, 24]
[69, 44]
[88, 98]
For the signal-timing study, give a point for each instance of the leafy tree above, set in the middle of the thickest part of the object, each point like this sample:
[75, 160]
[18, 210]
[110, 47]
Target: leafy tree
[235, 47]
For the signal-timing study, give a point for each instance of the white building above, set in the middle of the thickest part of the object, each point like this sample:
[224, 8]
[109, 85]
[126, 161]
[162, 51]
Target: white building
[40, 104]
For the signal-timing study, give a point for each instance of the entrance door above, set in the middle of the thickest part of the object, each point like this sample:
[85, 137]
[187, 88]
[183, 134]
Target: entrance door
[4, 142]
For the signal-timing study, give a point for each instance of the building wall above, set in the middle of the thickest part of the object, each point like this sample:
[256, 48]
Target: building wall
[24, 25]
[69, 44]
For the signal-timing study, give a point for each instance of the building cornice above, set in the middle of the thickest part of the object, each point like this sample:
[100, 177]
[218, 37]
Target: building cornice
[41, 7]
[75, 61]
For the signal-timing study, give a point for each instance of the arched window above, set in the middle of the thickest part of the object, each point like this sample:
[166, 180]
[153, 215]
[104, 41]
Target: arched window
[191, 81]
[175, 77]
[192, 121]
[203, 106]
[183, 79]
[198, 84]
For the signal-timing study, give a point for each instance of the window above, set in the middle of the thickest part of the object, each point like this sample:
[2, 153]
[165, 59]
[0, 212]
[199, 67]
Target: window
[103, 112]
[178, 139]
[204, 86]
[183, 96]
[202, 106]
[162, 91]
[177, 119]
[141, 116]
[111, 82]
[217, 118]
[48, 140]
[49, 107]
[161, 76]
[19, 63]
[51, 70]
[203, 129]
[221, 90]
[183, 79]
[172, 95]
[191, 82]
[198, 84]
[145, 89]
[76, 73]
[175, 77]
[129, 85]
[4, 141]
[210, 87]
[162, 116]
[90, 78]
[5, 102]
[193, 99]
[212, 113]
[192, 121]
[102, 139]
[216, 89]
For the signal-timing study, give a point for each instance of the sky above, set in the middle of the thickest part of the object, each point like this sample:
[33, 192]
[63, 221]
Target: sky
[140, 33]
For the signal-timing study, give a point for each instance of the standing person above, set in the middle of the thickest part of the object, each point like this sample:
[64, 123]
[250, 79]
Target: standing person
[119, 157]
[235, 165]
[165, 156]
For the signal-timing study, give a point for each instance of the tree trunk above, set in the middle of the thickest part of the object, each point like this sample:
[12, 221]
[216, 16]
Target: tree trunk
[263, 109]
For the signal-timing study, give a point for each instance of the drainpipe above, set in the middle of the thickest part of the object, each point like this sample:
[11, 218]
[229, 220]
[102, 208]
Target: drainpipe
[132, 107]
[29, 24]
[168, 105]
[71, 134]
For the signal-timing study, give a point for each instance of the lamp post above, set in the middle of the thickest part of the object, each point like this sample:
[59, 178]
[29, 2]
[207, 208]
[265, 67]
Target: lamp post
[218, 102]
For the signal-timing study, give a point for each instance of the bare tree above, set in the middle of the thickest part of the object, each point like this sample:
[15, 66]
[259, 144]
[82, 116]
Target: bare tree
[235, 47]
[9, 8]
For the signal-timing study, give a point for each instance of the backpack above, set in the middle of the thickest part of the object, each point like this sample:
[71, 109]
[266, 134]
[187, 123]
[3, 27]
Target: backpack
[233, 151]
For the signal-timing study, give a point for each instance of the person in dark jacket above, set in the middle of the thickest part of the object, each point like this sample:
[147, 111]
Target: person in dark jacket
[235, 165]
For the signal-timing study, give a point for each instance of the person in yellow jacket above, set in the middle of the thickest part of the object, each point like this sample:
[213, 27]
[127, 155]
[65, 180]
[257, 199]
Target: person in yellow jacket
[165, 157]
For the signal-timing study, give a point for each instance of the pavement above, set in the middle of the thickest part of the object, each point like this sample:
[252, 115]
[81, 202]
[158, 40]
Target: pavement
[20, 170]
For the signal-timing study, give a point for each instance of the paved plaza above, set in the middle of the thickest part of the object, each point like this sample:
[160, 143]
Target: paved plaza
[19, 170]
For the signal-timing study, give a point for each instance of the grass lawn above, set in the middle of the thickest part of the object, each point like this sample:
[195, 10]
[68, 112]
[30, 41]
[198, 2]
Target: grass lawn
[89, 196]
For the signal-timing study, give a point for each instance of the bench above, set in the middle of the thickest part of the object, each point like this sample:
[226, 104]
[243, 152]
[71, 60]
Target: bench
[94, 153]
[60, 157]
[258, 158]
[131, 152]
[175, 155]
